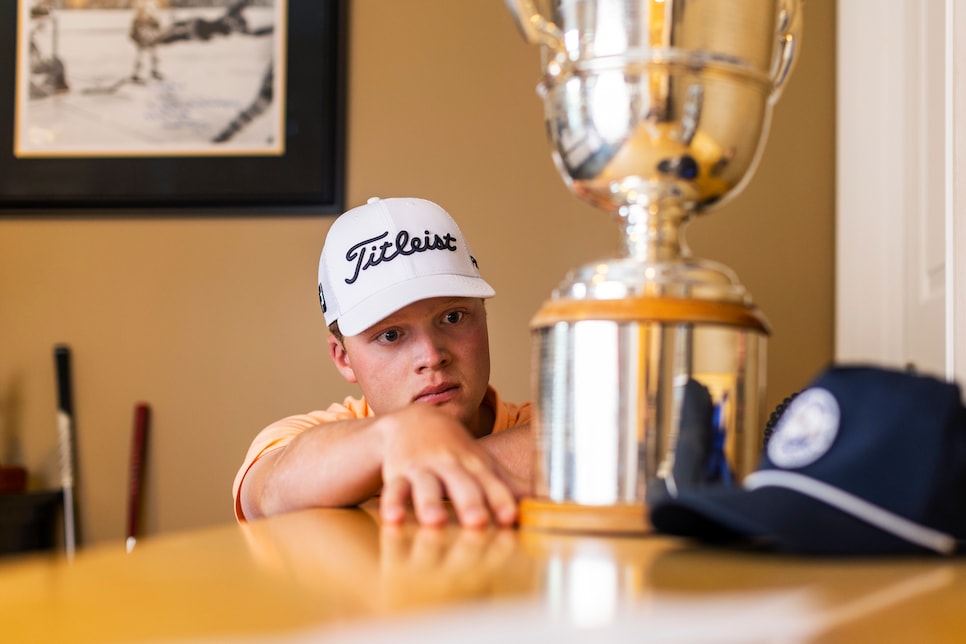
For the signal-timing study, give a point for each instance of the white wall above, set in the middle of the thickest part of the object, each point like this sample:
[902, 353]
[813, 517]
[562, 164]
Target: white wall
[899, 221]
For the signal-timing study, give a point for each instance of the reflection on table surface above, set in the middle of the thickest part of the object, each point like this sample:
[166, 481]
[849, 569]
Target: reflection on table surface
[336, 575]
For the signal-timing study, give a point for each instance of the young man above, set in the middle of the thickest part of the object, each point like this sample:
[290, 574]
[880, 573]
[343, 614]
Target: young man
[403, 299]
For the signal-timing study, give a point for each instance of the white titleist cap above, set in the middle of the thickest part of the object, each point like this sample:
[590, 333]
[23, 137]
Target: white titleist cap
[389, 253]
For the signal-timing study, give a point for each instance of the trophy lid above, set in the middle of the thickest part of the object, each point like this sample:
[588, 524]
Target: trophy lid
[684, 290]
[684, 277]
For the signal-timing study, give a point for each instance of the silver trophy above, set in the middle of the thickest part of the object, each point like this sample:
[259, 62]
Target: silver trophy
[657, 111]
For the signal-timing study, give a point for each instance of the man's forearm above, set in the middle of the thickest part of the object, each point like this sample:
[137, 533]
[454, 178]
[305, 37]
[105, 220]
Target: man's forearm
[342, 463]
[331, 465]
[514, 449]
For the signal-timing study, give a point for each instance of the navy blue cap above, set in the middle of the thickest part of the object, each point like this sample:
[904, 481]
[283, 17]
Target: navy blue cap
[864, 461]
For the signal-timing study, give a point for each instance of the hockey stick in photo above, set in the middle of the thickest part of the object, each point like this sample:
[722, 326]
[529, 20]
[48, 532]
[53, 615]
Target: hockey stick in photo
[105, 89]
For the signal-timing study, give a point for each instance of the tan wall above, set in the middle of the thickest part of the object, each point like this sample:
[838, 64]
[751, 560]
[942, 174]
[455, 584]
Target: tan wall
[215, 321]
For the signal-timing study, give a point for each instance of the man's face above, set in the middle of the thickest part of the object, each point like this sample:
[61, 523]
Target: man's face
[434, 351]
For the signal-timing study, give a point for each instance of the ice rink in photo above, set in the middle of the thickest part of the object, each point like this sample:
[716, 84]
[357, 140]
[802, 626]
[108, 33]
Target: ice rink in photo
[109, 105]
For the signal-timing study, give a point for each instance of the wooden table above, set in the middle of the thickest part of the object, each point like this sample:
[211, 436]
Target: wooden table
[337, 576]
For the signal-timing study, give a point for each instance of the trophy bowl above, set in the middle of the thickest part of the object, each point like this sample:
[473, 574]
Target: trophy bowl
[657, 111]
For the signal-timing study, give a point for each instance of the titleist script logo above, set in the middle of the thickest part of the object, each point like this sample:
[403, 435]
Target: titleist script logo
[369, 253]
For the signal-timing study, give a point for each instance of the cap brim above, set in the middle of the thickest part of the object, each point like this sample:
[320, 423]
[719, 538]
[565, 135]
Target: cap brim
[384, 303]
[773, 518]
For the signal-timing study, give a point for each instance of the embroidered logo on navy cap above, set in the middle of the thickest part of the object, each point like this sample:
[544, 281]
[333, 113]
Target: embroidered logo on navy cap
[806, 430]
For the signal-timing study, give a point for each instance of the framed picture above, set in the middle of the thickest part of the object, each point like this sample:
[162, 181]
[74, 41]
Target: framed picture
[172, 104]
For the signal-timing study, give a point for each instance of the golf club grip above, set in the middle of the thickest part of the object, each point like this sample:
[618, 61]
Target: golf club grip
[142, 414]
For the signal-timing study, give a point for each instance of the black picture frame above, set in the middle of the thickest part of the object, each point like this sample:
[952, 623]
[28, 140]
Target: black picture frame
[308, 176]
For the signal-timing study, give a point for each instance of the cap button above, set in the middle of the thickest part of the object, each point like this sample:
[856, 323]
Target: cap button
[373, 200]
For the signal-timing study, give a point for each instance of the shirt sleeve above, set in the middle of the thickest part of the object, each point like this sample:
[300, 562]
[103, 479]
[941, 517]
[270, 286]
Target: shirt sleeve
[507, 414]
[282, 432]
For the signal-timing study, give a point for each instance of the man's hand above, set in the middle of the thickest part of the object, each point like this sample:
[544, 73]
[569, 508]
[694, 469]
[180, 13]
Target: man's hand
[428, 457]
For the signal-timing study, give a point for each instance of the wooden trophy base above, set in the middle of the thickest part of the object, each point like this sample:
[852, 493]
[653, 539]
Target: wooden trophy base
[538, 514]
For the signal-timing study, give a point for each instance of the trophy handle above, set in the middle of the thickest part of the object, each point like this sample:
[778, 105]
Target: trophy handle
[790, 37]
[537, 30]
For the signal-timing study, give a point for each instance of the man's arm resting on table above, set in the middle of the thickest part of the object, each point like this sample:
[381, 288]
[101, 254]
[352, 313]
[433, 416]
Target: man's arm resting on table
[335, 464]
[423, 454]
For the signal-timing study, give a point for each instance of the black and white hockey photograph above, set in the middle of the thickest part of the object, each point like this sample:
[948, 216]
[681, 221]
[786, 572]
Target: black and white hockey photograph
[137, 78]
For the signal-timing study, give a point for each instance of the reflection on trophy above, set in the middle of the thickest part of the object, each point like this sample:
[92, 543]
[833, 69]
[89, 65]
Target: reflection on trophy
[657, 111]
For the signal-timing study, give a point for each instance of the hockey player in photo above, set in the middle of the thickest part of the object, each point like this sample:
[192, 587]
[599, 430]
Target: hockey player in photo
[47, 73]
[145, 31]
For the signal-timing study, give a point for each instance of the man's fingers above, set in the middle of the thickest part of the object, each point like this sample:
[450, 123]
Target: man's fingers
[467, 495]
[479, 494]
[427, 494]
[500, 499]
[476, 497]
[500, 490]
[392, 504]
